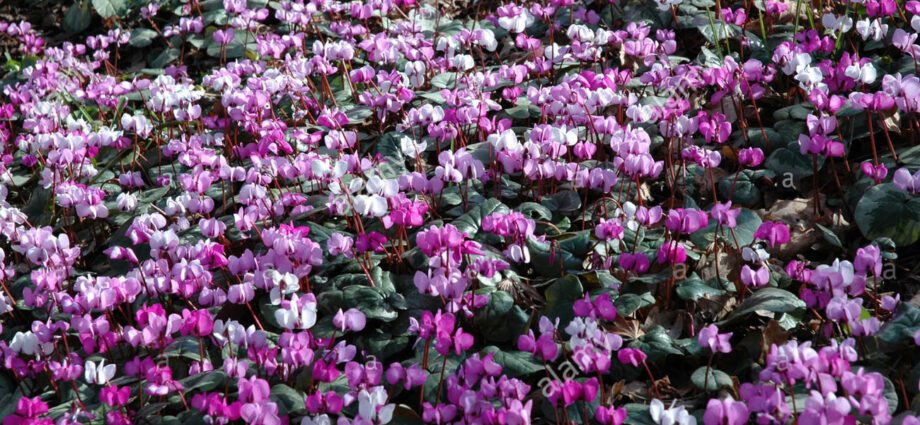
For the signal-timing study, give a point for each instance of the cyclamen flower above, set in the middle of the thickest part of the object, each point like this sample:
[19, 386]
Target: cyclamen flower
[99, 374]
[686, 221]
[674, 415]
[710, 338]
[672, 252]
[300, 313]
[755, 278]
[610, 415]
[774, 232]
[876, 172]
[726, 412]
[637, 263]
[632, 356]
[750, 157]
[353, 320]
[725, 215]
[906, 181]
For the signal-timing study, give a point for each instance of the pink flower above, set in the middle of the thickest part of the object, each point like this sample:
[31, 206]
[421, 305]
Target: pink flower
[710, 338]
[750, 157]
[774, 232]
[637, 263]
[755, 278]
[610, 415]
[672, 252]
[352, 319]
[725, 215]
[633, 356]
[726, 412]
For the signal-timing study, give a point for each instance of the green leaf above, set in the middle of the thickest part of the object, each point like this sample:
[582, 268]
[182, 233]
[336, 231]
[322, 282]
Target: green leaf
[637, 414]
[388, 147]
[444, 80]
[186, 346]
[716, 379]
[886, 211]
[235, 49]
[165, 57]
[501, 320]
[371, 301]
[747, 223]
[829, 236]
[902, 326]
[693, 289]
[288, 399]
[755, 136]
[745, 188]
[142, 37]
[514, 363]
[627, 304]
[786, 162]
[564, 201]
[109, 8]
[656, 343]
[470, 222]
[535, 211]
[204, 382]
[560, 296]
[381, 344]
[78, 17]
[767, 299]
[552, 261]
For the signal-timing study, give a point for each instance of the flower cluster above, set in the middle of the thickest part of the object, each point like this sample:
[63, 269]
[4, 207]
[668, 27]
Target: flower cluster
[381, 211]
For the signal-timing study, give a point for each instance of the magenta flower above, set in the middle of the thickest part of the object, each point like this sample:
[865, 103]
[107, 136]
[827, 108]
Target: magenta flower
[726, 412]
[352, 319]
[672, 252]
[611, 415]
[637, 263]
[710, 338]
[750, 157]
[755, 278]
[632, 356]
[774, 232]
[725, 215]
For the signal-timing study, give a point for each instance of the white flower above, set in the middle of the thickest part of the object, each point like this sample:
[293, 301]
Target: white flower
[415, 70]
[126, 201]
[373, 205]
[98, 374]
[834, 24]
[670, 416]
[296, 317]
[318, 420]
[755, 255]
[410, 148]
[462, 62]
[27, 343]
[865, 74]
[382, 187]
[369, 402]
[809, 77]
[282, 284]
[665, 5]
[516, 24]
[486, 39]
[872, 29]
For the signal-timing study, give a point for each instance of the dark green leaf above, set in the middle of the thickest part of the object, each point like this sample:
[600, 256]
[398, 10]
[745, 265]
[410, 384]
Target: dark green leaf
[514, 363]
[78, 17]
[716, 379]
[886, 211]
[109, 8]
[769, 299]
